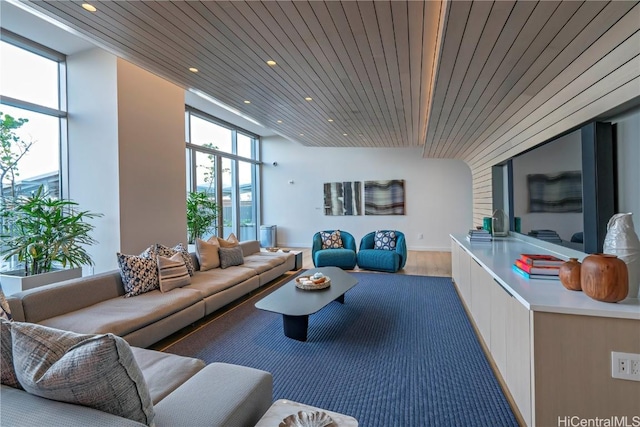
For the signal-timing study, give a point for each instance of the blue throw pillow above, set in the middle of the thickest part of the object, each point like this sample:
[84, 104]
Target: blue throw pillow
[385, 240]
[331, 240]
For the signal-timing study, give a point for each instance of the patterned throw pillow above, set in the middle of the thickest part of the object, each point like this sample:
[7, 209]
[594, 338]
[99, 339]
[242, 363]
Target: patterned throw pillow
[232, 241]
[98, 371]
[385, 240]
[153, 251]
[172, 272]
[7, 370]
[207, 253]
[331, 240]
[231, 256]
[139, 274]
[5, 310]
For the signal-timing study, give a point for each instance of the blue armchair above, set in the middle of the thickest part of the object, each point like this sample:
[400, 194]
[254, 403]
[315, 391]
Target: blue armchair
[388, 255]
[343, 257]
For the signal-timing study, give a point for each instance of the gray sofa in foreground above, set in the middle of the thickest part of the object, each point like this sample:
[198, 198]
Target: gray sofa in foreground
[96, 304]
[183, 390]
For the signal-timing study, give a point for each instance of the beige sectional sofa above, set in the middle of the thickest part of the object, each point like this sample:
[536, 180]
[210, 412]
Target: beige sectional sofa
[96, 304]
[184, 391]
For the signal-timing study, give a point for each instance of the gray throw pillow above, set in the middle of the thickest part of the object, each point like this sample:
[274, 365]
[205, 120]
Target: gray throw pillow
[230, 256]
[6, 356]
[98, 371]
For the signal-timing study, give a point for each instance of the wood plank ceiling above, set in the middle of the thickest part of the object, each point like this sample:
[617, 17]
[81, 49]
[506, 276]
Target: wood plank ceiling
[451, 77]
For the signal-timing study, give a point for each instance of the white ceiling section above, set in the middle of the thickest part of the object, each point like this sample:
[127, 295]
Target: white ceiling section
[454, 77]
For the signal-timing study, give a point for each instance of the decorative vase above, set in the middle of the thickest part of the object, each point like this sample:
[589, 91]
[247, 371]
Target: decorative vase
[604, 277]
[570, 274]
[499, 223]
[621, 240]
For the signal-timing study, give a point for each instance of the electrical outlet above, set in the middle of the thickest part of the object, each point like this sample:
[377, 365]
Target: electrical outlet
[420, 236]
[625, 366]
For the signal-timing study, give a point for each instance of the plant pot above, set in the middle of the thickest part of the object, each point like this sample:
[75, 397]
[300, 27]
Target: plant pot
[570, 274]
[604, 277]
[14, 281]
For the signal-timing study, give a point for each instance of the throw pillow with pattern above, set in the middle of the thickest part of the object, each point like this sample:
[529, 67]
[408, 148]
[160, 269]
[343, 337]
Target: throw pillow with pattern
[172, 272]
[5, 310]
[98, 371]
[231, 256]
[7, 370]
[385, 240]
[153, 251]
[139, 274]
[331, 240]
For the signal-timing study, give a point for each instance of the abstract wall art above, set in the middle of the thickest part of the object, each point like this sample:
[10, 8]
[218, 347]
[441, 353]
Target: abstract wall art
[343, 198]
[559, 192]
[384, 197]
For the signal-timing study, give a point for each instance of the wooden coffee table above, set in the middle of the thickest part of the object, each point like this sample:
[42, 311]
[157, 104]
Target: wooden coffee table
[296, 305]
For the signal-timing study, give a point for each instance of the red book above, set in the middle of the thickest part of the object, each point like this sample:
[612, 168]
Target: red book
[540, 260]
[532, 269]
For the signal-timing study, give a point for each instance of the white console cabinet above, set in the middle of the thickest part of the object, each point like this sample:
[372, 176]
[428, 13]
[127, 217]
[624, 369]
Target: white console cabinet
[551, 346]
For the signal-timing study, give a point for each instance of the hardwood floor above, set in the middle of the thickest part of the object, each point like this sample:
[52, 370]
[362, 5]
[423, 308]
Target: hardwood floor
[419, 263]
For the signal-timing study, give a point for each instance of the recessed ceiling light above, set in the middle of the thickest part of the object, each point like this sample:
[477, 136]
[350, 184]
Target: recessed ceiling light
[271, 63]
[279, 121]
[193, 69]
[302, 134]
[308, 98]
[330, 120]
[344, 134]
[90, 8]
[247, 102]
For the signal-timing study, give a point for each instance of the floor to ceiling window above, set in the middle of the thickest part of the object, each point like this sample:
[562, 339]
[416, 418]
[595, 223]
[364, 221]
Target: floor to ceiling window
[222, 162]
[33, 116]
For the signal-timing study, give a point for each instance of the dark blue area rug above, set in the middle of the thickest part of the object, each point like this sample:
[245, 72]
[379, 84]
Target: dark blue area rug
[400, 352]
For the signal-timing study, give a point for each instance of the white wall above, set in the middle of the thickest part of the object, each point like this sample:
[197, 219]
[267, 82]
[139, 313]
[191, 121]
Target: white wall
[561, 155]
[438, 192]
[93, 148]
[628, 159]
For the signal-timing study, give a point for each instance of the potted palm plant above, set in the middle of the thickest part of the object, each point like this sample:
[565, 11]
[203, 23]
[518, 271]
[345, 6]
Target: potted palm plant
[45, 234]
[202, 213]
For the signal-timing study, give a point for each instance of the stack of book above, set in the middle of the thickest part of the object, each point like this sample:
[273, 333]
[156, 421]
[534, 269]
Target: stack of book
[546, 235]
[538, 266]
[480, 235]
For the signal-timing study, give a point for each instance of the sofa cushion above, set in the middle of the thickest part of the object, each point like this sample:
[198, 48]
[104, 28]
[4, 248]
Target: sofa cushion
[207, 253]
[7, 371]
[214, 281]
[230, 241]
[98, 371]
[172, 272]
[230, 256]
[122, 316]
[262, 263]
[139, 274]
[331, 240]
[385, 240]
[164, 372]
